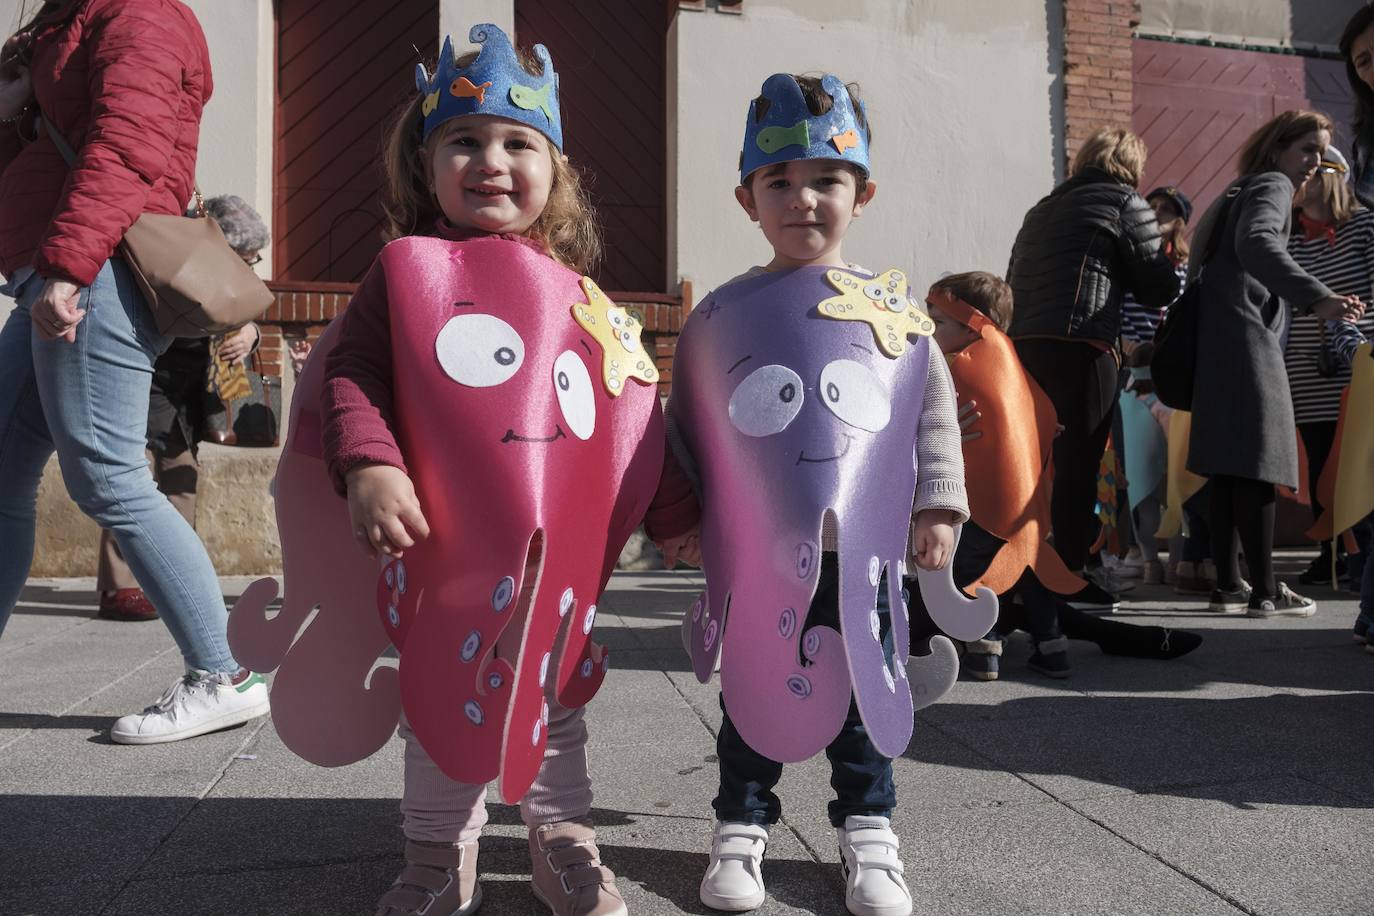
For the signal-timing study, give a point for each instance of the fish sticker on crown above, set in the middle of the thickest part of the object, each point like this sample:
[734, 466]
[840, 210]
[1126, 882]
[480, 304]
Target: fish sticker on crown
[493, 84]
[784, 129]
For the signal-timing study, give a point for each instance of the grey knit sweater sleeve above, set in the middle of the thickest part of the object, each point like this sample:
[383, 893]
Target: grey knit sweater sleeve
[939, 449]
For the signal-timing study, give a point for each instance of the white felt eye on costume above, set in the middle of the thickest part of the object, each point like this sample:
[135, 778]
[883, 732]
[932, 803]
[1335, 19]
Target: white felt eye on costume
[766, 401]
[573, 385]
[479, 350]
[854, 393]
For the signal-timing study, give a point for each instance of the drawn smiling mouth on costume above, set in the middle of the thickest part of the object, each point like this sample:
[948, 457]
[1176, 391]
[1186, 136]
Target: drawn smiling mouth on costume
[848, 441]
[510, 436]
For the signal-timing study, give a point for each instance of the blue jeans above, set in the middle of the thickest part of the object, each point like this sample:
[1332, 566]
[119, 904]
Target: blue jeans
[88, 401]
[859, 774]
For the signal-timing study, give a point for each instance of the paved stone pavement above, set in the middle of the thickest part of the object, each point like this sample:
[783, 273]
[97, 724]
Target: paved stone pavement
[1239, 779]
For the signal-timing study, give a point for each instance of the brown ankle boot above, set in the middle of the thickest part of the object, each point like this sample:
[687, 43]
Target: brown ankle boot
[438, 880]
[567, 873]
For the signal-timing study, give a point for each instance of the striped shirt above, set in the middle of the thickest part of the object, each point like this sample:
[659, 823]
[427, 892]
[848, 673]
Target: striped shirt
[1347, 269]
[1139, 322]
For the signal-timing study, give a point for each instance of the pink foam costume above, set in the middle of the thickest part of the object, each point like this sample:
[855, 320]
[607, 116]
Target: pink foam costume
[523, 404]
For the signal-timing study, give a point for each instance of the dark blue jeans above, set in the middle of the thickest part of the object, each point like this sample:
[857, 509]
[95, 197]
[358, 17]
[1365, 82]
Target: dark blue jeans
[859, 774]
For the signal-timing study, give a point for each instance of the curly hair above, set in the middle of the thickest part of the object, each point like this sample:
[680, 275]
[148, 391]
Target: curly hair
[243, 228]
[567, 227]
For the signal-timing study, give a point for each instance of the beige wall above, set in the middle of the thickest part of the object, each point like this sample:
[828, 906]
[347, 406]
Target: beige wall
[959, 97]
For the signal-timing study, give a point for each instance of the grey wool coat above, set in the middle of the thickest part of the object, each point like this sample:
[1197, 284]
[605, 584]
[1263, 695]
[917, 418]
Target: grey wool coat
[1242, 411]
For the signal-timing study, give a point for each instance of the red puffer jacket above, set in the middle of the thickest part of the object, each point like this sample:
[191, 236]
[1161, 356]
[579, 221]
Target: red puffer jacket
[125, 82]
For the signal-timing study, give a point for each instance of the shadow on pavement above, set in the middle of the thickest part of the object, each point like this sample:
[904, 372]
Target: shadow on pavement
[161, 855]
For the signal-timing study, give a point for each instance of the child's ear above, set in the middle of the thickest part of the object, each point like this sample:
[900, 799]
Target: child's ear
[863, 198]
[746, 200]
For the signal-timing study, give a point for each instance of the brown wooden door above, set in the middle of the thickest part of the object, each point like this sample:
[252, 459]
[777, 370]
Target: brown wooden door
[611, 59]
[1194, 106]
[342, 71]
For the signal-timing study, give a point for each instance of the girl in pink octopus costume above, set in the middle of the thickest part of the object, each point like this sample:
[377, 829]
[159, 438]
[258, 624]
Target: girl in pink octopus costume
[488, 413]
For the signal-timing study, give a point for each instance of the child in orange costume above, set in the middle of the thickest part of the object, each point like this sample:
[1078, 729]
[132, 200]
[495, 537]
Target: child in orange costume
[1008, 469]
[1009, 424]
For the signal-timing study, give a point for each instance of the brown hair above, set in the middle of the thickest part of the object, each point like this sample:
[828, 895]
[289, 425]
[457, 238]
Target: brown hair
[567, 227]
[818, 102]
[1176, 242]
[18, 48]
[1261, 150]
[1114, 150]
[986, 292]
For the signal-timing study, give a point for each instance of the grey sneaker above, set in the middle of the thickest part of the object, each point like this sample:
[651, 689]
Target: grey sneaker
[1286, 603]
[1107, 580]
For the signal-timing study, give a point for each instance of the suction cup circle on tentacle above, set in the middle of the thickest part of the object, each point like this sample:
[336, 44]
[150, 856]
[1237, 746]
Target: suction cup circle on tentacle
[471, 645]
[875, 570]
[787, 623]
[799, 686]
[589, 620]
[586, 667]
[544, 669]
[811, 643]
[502, 594]
[494, 680]
[698, 606]
[806, 559]
[565, 603]
[473, 712]
[708, 638]
[538, 730]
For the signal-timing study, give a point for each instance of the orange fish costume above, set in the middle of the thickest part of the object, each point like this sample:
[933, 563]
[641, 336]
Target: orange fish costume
[1346, 485]
[1007, 469]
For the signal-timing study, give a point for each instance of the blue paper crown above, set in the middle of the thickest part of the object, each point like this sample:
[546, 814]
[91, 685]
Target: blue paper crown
[493, 84]
[788, 129]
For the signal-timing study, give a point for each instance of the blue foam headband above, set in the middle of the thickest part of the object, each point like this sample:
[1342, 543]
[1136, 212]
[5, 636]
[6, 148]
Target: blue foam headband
[789, 130]
[493, 84]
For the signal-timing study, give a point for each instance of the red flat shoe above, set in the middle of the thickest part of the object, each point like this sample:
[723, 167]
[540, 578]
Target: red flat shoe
[126, 604]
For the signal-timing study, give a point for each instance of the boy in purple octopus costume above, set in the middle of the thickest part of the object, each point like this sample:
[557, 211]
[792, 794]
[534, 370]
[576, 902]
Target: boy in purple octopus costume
[822, 430]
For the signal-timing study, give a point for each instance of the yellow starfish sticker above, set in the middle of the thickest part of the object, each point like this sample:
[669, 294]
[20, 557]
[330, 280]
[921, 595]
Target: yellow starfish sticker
[618, 332]
[882, 303]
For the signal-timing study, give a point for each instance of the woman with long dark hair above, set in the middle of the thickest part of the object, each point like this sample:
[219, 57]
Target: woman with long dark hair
[1357, 47]
[124, 82]
[1242, 430]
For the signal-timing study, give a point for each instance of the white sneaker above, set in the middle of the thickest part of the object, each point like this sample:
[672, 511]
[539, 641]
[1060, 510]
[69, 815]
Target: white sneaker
[873, 884]
[734, 878]
[197, 703]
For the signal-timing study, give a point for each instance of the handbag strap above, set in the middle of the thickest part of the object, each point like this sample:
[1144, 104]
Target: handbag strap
[69, 154]
[1219, 227]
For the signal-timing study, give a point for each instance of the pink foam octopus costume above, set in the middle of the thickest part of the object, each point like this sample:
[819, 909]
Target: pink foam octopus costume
[800, 409]
[525, 407]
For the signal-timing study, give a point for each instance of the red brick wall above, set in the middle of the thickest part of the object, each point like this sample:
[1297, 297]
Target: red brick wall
[1097, 67]
[303, 310]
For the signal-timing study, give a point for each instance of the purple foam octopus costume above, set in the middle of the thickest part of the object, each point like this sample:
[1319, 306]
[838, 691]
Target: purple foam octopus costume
[795, 421]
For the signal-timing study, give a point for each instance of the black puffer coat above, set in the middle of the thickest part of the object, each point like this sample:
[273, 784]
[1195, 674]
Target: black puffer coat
[1079, 250]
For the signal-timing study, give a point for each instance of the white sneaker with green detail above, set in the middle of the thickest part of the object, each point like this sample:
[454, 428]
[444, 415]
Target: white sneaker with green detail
[197, 703]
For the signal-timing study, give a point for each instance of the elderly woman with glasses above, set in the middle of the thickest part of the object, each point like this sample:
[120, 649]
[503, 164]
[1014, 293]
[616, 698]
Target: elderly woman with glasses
[178, 407]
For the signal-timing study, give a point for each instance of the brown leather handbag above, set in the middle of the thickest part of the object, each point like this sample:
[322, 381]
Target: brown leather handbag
[195, 284]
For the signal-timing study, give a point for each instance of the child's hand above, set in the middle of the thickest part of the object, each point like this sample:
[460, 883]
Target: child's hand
[932, 538]
[969, 415]
[386, 515]
[685, 548]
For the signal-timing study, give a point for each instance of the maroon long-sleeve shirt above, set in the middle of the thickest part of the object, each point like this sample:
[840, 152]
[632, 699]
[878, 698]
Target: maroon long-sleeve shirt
[358, 414]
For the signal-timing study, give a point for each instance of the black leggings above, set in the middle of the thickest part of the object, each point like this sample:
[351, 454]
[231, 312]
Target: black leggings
[1317, 439]
[1081, 382]
[1244, 507]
